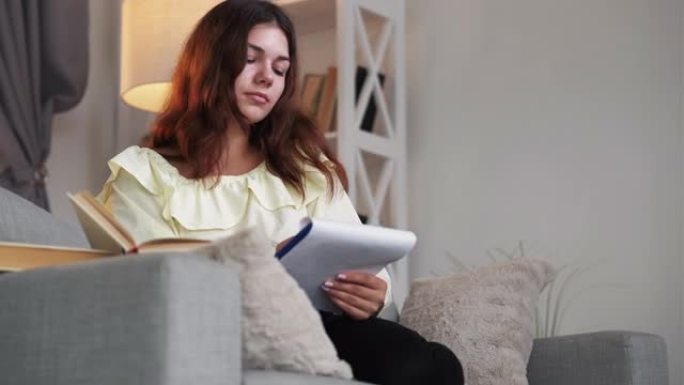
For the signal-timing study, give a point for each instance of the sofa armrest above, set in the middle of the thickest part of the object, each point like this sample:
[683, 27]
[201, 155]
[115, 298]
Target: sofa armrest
[612, 357]
[149, 319]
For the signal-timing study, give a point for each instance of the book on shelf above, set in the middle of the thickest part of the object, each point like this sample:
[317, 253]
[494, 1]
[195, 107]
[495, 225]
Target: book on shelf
[322, 249]
[369, 115]
[310, 97]
[327, 106]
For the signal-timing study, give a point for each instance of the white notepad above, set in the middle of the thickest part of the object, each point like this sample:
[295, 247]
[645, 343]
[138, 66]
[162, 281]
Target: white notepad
[322, 249]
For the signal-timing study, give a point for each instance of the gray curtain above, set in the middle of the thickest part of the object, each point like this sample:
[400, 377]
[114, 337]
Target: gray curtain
[43, 70]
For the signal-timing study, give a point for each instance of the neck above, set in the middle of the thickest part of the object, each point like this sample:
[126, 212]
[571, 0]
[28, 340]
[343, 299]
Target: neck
[239, 157]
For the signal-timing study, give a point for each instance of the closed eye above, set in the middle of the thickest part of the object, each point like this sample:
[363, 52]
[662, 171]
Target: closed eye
[281, 60]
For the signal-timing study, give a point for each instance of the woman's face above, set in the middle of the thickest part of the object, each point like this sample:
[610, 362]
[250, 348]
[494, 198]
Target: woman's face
[260, 84]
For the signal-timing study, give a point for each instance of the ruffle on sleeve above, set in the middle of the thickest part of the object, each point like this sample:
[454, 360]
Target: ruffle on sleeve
[136, 162]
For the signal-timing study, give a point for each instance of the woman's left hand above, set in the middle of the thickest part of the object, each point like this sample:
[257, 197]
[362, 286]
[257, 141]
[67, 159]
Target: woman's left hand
[360, 295]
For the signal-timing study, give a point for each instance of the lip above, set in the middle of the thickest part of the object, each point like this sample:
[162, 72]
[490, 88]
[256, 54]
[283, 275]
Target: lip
[258, 97]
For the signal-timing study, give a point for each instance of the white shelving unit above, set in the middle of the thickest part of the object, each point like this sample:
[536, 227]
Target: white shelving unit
[369, 33]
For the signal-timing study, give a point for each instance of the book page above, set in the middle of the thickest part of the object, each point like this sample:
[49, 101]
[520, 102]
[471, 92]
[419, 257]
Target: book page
[101, 229]
[331, 248]
[170, 244]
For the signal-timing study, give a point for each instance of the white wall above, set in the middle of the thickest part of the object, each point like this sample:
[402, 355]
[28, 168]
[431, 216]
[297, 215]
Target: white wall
[558, 123]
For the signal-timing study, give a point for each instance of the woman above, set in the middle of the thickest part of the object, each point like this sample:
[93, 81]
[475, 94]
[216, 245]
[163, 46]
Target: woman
[232, 150]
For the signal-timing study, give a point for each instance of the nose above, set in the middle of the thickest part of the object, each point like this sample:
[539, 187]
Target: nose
[265, 76]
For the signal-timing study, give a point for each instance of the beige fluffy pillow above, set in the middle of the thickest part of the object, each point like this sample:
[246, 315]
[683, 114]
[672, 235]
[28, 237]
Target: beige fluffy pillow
[485, 316]
[280, 328]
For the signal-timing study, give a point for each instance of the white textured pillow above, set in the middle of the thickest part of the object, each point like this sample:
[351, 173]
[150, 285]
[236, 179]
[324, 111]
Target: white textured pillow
[485, 316]
[280, 328]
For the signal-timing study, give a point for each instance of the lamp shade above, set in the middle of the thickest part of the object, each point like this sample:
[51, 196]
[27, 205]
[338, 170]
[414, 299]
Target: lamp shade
[153, 33]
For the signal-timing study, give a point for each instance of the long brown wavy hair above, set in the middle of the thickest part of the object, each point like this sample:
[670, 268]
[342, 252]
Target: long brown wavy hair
[202, 103]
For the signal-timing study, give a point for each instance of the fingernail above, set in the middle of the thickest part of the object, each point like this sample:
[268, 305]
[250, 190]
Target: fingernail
[328, 283]
[341, 276]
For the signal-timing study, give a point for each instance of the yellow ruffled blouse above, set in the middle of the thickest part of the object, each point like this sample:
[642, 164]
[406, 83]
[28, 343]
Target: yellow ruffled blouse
[152, 199]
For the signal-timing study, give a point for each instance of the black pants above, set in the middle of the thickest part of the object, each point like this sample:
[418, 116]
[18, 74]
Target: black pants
[387, 353]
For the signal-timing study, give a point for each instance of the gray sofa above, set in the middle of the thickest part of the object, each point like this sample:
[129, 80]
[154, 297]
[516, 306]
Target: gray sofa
[175, 319]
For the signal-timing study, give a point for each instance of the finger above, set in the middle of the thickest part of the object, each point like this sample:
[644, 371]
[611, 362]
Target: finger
[350, 310]
[282, 244]
[352, 300]
[361, 278]
[372, 295]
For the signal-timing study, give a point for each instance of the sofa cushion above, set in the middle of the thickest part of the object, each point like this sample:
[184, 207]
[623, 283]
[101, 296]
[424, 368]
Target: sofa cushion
[607, 357]
[138, 320]
[23, 222]
[485, 316]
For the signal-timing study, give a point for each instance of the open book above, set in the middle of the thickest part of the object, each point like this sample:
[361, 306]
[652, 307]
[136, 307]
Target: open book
[105, 233]
[322, 249]
[106, 236]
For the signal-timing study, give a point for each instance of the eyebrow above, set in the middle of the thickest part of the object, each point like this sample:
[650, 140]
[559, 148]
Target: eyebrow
[261, 50]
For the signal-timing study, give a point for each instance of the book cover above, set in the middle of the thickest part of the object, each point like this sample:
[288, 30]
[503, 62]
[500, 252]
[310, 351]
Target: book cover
[326, 109]
[312, 85]
[22, 256]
